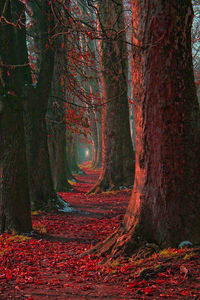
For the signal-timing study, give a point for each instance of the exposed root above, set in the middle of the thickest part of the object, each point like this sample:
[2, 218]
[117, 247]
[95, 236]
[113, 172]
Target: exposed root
[103, 185]
[122, 244]
[105, 247]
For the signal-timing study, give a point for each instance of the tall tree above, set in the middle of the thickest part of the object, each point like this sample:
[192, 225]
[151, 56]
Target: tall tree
[117, 150]
[56, 113]
[42, 192]
[15, 202]
[165, 203]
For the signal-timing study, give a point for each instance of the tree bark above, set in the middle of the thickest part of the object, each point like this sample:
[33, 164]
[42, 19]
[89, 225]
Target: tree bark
[165, 203]
[14, 200]
[57, 128]
[98, 163]
[117, 150]
[42, 193]
[61, 183]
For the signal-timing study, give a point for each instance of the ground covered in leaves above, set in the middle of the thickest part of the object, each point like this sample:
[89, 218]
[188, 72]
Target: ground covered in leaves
[48, 266]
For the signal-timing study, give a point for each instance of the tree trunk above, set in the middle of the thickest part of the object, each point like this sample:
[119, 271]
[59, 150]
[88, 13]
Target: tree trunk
[60, 170]
[14, 200]
[73, 163]
[43, 196]
[117, 150]
[69, 149]
[93, 126]
[57, 128]
[165, 203]
[42, 193]
[15, 192]
[98, 162]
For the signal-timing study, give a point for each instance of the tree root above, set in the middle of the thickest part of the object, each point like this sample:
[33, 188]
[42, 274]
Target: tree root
[103, 185]
[124, 245]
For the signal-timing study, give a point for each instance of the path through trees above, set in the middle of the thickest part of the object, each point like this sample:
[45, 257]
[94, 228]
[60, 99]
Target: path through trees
[49, 264]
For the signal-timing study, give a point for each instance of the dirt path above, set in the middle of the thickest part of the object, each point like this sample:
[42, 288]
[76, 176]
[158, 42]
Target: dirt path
[49, 266]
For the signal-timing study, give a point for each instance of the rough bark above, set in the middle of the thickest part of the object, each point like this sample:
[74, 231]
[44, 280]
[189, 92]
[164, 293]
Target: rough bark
[117, 150]
[14, 200]
[59, 169]
[57, 129]
[93, 126]
[42, 193]
[43, 196]
[15, 191]
[165, 203]
[98, 162]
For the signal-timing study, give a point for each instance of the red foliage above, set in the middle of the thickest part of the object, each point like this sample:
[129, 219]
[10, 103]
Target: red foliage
[49, 266]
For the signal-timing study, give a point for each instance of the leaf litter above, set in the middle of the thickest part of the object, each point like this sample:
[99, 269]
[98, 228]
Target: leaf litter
[48, 264]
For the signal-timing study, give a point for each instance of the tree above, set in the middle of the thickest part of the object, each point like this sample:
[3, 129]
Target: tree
[57, 139]
[196, 45]
[165, 203]
[15, 202]
[42, 193]
[56, 118]
[117, 150]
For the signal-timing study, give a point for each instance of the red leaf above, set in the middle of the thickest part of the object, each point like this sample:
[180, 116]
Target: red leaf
[9, 274]
[132, 284]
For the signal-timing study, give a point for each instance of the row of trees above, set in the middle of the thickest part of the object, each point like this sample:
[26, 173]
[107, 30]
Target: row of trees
[64, 72]
[50, 87]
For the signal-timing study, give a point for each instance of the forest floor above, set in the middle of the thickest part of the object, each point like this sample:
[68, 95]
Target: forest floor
[48, 266]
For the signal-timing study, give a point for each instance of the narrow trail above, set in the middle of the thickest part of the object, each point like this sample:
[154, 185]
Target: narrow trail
[49, 266]
[100, 204]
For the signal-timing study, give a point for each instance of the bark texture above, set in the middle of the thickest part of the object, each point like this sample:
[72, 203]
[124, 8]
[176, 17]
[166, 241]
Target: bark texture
[165, 203]
[14, 200]
[57, 128]
[59, 164]
[42, 193]
[117, 150]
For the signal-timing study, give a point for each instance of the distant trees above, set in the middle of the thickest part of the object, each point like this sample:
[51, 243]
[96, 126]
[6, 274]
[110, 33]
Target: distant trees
[27, 62]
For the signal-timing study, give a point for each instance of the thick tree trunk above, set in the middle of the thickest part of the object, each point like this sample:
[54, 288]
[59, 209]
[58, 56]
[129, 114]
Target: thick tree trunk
[117, 150]
[15, 192]
[14, 199]
[42, 193]
[57, 128]
[43, 196]
[165, 203]
[167, 186]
